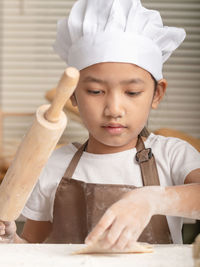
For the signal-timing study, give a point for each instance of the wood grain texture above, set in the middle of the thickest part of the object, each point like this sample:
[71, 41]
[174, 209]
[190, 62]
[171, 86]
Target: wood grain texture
[31, 156]
[35, 149]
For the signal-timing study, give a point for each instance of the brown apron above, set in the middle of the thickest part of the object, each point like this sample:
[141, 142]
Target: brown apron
[78, 206]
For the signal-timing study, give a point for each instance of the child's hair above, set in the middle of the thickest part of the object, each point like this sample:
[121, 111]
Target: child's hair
[145, 132]
[155, 83]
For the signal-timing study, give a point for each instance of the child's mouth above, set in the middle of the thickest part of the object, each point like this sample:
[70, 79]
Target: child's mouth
[114, 128]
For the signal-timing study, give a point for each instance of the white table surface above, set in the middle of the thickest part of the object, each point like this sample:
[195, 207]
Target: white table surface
[43, 255]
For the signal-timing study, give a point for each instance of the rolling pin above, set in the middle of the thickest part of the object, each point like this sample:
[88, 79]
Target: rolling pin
[35, 149]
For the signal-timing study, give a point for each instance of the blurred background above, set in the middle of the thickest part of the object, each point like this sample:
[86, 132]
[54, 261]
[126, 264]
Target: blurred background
[30, 70]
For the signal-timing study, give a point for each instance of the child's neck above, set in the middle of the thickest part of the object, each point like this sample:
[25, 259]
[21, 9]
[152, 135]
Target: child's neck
[97, 147]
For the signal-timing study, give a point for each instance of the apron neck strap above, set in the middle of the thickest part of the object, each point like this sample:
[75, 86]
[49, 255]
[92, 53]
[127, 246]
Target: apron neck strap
[144, 157]
[74, 162]
[158, 229]
[147, 163]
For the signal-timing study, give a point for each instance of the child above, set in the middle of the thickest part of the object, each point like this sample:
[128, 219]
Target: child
[110, 186]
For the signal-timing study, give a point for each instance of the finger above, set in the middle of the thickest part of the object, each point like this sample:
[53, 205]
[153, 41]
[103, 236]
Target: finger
[137, 232]
[113, 234]
[10, 228]
[2, 231]
[135, 236]
[123, 239]
[7, 223]
[101, 227]
[4, 240]
[2, 226]
[130, 245]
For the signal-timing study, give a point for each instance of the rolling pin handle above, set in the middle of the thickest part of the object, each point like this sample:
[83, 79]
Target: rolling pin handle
[65, 89]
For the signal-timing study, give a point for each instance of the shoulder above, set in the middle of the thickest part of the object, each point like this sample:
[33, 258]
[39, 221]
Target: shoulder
[173, 151]
[176, 156]
[55, 167]
[40, 203]
[155, 138]
[169, 144]
[63, 153]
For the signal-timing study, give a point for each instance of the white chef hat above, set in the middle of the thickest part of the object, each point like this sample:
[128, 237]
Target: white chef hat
[116, 31]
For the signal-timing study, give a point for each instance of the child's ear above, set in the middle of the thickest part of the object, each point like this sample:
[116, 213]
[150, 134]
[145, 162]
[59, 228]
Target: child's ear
[159, 93]
[73, 100]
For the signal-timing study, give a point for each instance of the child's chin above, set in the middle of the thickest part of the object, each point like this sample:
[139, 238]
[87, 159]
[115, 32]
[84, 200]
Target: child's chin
[114, 142]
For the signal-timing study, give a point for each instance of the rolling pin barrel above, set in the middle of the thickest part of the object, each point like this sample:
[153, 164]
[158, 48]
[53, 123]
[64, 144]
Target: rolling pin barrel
[35, 149]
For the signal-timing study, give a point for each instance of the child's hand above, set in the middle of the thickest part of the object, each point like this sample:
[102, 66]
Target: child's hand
[124, 221]
[7, 232]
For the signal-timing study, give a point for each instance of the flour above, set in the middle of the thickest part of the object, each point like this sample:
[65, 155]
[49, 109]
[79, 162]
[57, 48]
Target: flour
[97, 249]
[169, 201]
[54, 255]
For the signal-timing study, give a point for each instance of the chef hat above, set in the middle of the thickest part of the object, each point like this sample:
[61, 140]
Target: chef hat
[116, 31]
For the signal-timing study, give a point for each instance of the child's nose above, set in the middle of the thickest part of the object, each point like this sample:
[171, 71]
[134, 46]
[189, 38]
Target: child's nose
[114, 107]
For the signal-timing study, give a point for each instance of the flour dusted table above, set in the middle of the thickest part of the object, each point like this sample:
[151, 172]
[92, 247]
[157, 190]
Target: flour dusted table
[54, 255]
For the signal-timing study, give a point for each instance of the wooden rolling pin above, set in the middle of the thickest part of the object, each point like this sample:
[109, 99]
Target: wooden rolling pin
[35, 149]
[72, 111]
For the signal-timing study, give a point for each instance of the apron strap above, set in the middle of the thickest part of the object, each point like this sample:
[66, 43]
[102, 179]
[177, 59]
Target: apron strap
[144, 157]
[146, 160]
[75, 159]
[74, 162]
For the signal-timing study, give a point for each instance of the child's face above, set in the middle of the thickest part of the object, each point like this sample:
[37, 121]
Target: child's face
[114, 100]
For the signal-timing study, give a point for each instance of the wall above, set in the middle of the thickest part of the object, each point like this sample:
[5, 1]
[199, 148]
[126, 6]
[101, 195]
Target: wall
[29, 66]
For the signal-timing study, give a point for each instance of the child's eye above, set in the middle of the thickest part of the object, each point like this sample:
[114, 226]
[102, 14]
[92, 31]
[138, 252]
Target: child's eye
[95, 92]
[131, 93]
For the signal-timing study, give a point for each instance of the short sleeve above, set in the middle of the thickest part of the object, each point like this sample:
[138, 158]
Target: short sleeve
[184, 158]
[40, 204]
[37, 207]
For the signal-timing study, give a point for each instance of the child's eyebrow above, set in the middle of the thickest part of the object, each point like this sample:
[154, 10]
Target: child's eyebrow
[93, 79]
[134, 81]
[96, 80]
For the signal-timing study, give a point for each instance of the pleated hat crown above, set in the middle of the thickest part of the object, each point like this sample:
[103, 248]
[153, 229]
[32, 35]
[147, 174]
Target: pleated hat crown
[116, 31]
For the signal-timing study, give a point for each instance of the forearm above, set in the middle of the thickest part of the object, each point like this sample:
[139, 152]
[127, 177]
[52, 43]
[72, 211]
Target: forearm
[181, 201]
[125, 220]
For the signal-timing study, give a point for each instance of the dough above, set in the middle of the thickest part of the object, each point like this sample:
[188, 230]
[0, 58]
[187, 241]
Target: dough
[97, 249]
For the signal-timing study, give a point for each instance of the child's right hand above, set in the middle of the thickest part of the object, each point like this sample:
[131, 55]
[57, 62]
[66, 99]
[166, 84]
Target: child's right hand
[7, 232]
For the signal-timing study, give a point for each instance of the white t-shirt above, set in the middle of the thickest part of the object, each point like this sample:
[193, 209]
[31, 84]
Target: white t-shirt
[175, 160]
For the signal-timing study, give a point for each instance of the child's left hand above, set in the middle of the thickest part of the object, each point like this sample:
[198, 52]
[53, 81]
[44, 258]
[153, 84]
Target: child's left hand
[124, 221]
